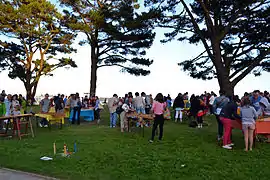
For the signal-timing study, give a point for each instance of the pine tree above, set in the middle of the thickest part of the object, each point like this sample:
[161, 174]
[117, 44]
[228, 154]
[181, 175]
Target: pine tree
[234, 33]
[116, 33]
[33, 38]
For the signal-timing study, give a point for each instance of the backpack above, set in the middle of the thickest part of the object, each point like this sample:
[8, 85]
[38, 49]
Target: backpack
[193, 124]
[119, 110]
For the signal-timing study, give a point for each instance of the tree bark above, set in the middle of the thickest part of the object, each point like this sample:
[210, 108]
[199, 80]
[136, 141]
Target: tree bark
[93, 80]
[226, 86]
[31, 88]
[222, 70]
[34, 91]
[27, 84]
[28, 92]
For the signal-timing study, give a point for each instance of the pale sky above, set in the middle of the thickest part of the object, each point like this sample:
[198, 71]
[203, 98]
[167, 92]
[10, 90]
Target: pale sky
[166, 76]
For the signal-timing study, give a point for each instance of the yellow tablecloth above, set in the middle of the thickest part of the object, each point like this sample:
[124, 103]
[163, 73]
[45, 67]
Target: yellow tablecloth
[52, 117]
[66, 111]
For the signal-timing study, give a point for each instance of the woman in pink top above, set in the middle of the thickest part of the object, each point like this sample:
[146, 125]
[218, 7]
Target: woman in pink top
[158, 110]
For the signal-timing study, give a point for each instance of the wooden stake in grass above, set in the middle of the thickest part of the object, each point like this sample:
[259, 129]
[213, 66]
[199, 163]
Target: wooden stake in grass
[54, 149]
[65, 149]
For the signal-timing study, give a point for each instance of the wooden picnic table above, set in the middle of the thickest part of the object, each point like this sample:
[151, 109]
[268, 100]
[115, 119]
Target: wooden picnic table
[18, 120]
[141, 118]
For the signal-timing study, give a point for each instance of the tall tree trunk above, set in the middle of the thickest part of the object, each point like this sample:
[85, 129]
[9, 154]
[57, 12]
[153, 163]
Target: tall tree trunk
[93, 80]
[222, 71]
[27, 85]
[31, 89]
[28, 89]
[34, 91]
[226, 86]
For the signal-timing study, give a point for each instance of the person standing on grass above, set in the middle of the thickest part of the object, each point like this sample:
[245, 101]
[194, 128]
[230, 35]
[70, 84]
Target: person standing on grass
[178, 106]
[211, 102]
[127, 107]
[158, 109]
[139, 103]
[2, 110]
[196, 109]
[97, 109]
[218, 104]
[228, 114]
[76, 105]
[112, 105]
[147, 103]
[45, 105]
[255, 101]
[248, 117]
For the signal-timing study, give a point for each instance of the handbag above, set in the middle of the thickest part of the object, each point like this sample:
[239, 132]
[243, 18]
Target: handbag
[167, 114]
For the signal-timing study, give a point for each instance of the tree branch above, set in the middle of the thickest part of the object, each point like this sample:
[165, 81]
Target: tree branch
[197, 29]
[238, 47]
[107, 65]
[255, 63]
[208, 19]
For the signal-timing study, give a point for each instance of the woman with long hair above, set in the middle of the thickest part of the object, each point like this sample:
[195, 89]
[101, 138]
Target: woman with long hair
[158, 109]
[248, 117]
[178, 106]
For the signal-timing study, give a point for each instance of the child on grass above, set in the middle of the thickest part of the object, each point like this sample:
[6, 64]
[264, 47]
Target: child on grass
[248, 116]
[16, 112]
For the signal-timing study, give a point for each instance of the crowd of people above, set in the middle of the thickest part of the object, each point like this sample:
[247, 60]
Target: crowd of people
[248, 109]
[16, 105]
[226, 109]
[11, 105]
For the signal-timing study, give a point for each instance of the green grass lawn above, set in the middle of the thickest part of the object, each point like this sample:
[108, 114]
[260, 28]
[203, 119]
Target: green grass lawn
[106, 154]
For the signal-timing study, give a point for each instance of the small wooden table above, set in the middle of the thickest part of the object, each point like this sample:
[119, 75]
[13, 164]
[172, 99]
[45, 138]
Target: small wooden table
[139, 118]
[18, 120]
[58, 118]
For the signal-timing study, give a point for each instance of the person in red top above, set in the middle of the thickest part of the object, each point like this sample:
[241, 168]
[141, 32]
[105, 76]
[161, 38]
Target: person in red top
[158, 109]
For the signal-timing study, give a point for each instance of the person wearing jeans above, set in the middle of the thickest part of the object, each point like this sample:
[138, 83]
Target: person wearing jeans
[158, 110]
[228, 114]
[76, 111]
[45, 105]
[113, 119]
[139, 103]
[112, 105]
[75, 105]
